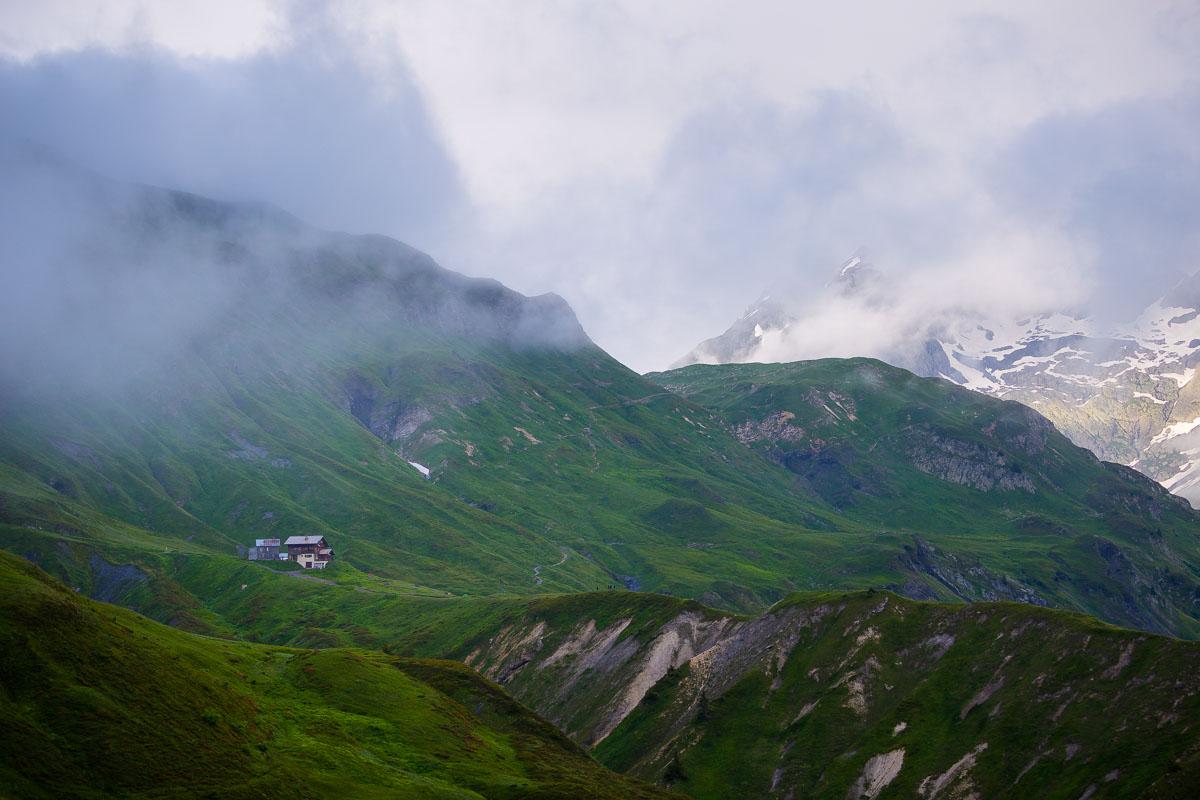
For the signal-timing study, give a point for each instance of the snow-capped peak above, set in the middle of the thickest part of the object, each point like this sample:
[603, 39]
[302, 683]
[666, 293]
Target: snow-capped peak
[854, 273]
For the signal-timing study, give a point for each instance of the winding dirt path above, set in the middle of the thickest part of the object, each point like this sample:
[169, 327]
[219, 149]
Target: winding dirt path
[537, 571]
[638, 401]
[304, 576]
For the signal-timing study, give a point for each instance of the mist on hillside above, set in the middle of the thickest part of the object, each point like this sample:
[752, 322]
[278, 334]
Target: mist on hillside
[896, 312]
[107, 283]
[661, 193]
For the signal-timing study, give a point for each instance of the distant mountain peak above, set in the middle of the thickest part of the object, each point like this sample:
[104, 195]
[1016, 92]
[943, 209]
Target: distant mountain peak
[854, 273]
[1184, 294]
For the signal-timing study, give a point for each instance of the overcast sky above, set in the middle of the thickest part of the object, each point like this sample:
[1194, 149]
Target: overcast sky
[660, 165]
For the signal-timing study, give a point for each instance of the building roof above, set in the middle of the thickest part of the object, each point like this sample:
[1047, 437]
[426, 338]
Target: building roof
[266, 543]
[304, 540]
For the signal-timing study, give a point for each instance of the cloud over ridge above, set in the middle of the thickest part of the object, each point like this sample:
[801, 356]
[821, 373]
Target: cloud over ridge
[659, 167]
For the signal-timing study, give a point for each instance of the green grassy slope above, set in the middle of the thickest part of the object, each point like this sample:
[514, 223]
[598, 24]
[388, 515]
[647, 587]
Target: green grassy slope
[804, 696]
[296, 405]
[100, 702]
[633, 494]
[241, 457]
[642, 677]
[984, 483]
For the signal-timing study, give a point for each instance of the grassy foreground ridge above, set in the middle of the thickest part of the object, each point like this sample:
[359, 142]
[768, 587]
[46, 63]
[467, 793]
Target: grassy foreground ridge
[101, 702]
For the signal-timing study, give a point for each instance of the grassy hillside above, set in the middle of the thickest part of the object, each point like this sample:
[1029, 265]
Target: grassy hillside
[636, 494]
[296, 400]
[99, 702]
[717, 705]
[1026, 701]
[988, 486]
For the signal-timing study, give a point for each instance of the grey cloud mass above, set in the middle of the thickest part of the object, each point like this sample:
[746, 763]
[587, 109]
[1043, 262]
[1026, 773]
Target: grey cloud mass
[661, 167]
[308, 128]
[1125, 179]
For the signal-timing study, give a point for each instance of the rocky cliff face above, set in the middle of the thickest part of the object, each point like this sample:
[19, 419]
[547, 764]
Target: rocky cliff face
[590, 675]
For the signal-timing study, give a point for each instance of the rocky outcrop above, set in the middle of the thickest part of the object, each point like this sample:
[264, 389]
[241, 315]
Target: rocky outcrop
[870, 695]
[1127, 393]
[956, 781]
[775, 427]
[390, 420]
[968, 464]
[112, 583]
[716, 649]
[545, 666]
[878, 772]
[964, 579]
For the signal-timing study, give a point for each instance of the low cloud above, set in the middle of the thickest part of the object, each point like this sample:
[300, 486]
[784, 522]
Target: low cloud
[101, 281]
[661, 167]
[997, 280]
[341, 141]
[109, 287]
[1124, 182]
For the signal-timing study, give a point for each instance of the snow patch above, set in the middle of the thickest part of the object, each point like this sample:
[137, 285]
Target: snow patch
[1175, 429]
[1150, 397]
[1181, 378]
[421, 468]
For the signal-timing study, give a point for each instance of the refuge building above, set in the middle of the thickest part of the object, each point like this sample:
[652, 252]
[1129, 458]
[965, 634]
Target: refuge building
[310, 552]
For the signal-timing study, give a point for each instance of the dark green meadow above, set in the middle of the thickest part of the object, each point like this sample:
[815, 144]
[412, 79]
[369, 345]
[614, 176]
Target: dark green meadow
[101, 702]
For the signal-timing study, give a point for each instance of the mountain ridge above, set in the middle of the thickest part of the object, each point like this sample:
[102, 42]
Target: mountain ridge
[1122, 390]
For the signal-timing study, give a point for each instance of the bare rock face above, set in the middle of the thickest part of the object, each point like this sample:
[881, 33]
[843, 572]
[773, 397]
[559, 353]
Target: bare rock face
[390, 420]
[836, 695]
[1022, 429]
[716, 649]
[876, 775]
[965, 579]
[954, 782]
[677, 643]
[614, 665]
[969, 464]
[112, 582]
[776, 427]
